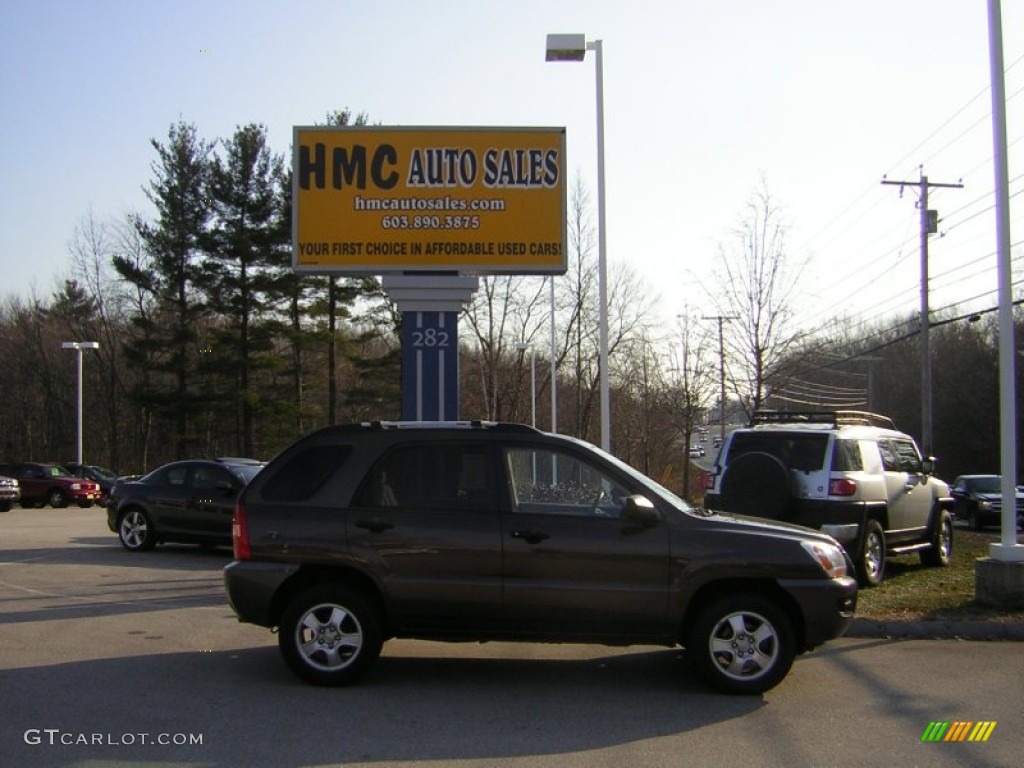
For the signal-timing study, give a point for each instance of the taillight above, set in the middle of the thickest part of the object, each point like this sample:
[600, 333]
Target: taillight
[240, 533]
[707, 481]
[842, 487]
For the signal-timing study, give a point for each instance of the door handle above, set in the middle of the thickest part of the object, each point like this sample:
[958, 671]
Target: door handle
[375, 525]
[530, 536]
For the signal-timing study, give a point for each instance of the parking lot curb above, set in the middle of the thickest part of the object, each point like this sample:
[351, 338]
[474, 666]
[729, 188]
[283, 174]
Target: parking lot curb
[937, 630]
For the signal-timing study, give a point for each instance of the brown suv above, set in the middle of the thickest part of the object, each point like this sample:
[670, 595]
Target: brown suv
[485, 531]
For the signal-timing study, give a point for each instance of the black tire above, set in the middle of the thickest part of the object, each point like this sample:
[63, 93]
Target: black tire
[330, 635]
[57, 498]
[5, 506]
[136, 531]
[871, 563]
[85, 504]
[742, 644]
[756, 484]
[940, 553]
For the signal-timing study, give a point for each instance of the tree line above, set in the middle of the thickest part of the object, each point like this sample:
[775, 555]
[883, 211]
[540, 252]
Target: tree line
[211, 345]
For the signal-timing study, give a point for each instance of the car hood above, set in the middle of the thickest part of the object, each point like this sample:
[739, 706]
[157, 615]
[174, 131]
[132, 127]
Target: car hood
[730, 522]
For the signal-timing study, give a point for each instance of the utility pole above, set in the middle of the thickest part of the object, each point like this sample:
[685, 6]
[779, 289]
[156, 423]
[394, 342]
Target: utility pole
[929, 225]
[720, 319]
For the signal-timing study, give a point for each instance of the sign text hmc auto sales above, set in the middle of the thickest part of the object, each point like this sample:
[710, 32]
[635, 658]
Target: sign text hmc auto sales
[384, 199]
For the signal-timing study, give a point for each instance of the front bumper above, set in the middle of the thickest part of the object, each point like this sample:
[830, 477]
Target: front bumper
[827, 607]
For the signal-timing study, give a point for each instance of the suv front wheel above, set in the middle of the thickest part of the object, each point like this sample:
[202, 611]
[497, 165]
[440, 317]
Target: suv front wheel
[940, 553]
[329, 635]
[742, 644]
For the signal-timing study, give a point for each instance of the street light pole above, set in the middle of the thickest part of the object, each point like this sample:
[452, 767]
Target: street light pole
[554, 359]
[533, 382]
[78, 346]
[573, 47]
[721, 367]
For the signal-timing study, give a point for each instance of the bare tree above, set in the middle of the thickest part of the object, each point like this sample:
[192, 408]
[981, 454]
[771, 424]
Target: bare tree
[756, 288]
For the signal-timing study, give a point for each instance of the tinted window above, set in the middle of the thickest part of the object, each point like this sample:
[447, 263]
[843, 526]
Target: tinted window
[430, 476]
[846, 456]
[804, 452]
[204, 477]
[303, 474]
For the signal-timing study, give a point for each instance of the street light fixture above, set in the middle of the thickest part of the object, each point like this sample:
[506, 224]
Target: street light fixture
[78, 346]
[573, 47]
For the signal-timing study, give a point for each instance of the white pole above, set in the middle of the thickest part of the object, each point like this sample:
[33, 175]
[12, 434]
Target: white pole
[533, 388]
[554, 375]
[602, 253]
[1007, 357]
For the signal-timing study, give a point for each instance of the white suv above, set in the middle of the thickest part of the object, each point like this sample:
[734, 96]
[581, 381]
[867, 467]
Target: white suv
[847, 473]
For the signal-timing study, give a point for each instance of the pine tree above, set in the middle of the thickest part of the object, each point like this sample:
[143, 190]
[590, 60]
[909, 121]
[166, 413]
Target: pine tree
[166, 340]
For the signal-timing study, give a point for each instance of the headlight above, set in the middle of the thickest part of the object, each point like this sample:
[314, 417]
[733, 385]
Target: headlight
[828, 556]
[76, 486]
[984, 505]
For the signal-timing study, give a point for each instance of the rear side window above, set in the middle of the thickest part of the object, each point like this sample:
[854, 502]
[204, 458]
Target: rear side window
[305, 472]
[431, 476]
[846, 456]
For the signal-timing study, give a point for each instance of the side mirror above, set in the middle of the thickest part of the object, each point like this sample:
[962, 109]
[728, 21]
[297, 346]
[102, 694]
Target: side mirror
[640, 510]
[928, 465]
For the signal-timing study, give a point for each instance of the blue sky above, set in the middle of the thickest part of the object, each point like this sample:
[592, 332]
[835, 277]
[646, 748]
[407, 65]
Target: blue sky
[701, 101]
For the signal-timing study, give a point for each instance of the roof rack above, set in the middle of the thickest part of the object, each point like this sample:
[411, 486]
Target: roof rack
[832, 418]
[472, 424]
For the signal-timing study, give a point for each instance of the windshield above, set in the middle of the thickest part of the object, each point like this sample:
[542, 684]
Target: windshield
[992, 484]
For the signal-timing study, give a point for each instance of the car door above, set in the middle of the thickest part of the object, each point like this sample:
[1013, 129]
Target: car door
[909, 495]
[210, 501]
[165, 495]
[425, 521]
[572, 564]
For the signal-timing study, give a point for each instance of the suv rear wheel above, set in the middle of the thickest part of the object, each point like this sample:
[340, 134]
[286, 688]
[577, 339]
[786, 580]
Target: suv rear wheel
[329, 635]
[742, 644]
[871, 566]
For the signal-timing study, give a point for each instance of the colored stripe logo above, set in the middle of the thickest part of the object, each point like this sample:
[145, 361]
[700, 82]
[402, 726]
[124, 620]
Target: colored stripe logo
[959, 730]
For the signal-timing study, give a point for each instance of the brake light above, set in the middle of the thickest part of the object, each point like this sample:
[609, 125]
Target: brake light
[842, 487]
[707, 481]
[240, 533]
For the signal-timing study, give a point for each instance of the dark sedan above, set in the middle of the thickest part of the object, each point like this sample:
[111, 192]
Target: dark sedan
[184, 501]
[979, 500]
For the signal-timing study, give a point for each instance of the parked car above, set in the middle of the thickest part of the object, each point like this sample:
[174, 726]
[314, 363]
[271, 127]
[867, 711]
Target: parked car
[44, 483]
[979, 500]
[485, 531]
[103, 477]
[850, 474]
[10, 492]
[184, 501]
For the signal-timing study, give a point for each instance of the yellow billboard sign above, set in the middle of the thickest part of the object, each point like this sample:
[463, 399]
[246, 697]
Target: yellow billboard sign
[386, 199]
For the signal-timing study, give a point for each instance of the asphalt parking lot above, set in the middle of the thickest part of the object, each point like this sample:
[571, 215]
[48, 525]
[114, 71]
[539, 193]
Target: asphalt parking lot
[112, 658]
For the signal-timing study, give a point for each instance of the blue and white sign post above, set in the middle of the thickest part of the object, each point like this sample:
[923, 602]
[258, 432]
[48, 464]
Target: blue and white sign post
[430, 366]
[430, 306]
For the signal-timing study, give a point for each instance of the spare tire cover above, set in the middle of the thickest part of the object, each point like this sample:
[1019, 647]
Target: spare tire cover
[756, 484]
